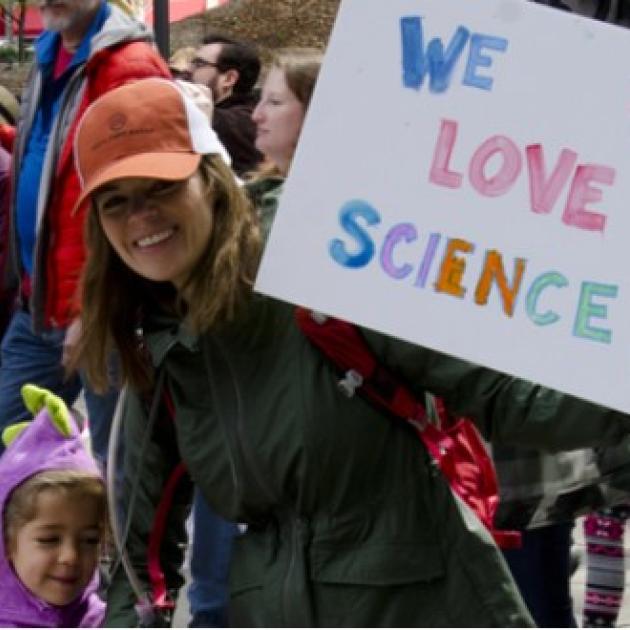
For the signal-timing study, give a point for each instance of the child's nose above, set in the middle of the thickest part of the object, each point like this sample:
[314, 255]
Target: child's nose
[69, 553]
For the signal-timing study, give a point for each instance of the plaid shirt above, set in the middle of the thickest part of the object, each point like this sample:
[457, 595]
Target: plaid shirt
[538, 489]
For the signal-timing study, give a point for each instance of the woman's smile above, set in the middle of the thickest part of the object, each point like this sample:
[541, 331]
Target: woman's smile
[155, 239]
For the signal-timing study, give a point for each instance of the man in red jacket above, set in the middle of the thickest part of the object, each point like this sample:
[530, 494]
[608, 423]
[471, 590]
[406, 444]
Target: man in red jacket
[9, 109]
[88, 48]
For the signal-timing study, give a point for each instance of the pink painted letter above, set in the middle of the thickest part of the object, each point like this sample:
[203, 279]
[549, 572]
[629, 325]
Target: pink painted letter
[581, 193]
[544, 192]
[506, 175]
[440, 174]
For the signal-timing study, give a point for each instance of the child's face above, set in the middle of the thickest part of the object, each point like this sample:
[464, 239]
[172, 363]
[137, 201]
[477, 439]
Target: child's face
[56, 553]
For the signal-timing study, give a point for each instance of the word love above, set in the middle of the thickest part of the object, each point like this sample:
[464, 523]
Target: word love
[404, 255]
[544, 188]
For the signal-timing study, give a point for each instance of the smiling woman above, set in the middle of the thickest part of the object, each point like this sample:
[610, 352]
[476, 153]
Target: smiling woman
[165, 204]
[348, 523]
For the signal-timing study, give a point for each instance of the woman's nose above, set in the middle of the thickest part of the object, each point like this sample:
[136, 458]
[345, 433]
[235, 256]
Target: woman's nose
[140, 204]
[256, 114]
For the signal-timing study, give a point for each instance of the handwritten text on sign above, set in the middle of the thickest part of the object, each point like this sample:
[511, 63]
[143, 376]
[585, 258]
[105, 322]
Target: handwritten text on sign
[461, 182]
[545, 189]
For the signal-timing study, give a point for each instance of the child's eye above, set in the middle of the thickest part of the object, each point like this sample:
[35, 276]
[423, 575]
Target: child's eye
[91, 541]
[47, 540]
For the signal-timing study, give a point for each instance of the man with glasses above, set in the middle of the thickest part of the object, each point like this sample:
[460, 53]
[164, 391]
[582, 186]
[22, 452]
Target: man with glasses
[230, 69]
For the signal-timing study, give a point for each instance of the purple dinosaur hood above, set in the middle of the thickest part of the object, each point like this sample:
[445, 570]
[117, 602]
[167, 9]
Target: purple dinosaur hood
[42, 447]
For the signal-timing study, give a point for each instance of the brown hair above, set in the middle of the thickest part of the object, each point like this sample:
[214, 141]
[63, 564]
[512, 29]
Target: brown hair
[113, 296]
[301, 68]
[21, 506]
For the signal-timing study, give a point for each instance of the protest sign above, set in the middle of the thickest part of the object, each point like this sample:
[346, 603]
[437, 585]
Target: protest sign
[463, 182]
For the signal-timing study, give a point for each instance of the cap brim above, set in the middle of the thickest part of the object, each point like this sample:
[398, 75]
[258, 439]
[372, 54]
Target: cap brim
[169, 166]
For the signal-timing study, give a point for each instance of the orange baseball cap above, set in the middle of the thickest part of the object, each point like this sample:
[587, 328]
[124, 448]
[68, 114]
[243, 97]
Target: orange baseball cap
[148, 128]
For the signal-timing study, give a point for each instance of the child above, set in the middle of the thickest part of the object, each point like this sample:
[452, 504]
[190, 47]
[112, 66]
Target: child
[53, 506]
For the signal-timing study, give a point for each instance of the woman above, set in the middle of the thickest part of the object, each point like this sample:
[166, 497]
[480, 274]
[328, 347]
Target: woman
[348, 522]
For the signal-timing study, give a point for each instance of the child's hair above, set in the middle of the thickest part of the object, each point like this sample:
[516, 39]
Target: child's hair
[21, 506]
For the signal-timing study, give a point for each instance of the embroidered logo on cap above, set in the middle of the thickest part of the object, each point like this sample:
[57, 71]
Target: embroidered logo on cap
[117, 121]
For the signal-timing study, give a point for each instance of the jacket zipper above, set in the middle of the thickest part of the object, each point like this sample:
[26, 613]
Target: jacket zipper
[299, 525]
[72, 93]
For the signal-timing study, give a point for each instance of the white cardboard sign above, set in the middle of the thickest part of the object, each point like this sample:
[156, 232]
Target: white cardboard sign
[463, 182]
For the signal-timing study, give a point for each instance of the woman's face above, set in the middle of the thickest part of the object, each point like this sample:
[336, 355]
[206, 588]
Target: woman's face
[278, 116]
[160, 229]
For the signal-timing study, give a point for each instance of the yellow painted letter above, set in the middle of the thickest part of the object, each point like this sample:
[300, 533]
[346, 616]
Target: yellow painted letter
[453, 267]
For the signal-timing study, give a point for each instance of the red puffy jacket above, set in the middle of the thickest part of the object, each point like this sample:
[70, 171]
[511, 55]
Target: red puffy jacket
[122, 52]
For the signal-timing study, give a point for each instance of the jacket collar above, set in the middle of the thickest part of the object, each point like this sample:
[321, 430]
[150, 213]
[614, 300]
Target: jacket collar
[169, 333]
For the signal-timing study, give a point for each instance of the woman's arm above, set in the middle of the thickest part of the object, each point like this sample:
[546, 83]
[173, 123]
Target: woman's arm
[507, 410]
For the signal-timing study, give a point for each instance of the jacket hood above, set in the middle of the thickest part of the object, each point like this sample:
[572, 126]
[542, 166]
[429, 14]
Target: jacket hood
[118, 28]
[40, 447]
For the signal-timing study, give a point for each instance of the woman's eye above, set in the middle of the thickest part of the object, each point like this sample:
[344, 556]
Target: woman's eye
[163, 187]
[111, 205]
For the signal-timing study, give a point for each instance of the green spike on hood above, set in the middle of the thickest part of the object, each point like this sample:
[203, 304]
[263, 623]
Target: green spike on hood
[35, 399]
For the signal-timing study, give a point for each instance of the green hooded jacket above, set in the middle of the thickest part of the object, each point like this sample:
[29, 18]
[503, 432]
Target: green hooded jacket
[349, 523]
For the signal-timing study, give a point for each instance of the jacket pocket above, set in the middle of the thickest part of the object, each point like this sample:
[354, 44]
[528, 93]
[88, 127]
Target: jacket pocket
[250, 554]
[384, 585]
[376, 565]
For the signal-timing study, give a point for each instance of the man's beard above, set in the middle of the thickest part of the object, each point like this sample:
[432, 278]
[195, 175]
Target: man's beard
[61, 23]
[56, 24]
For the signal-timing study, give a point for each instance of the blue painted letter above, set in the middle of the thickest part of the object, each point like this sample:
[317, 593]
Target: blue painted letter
[437, 62]
[477, 58]
[348, 215]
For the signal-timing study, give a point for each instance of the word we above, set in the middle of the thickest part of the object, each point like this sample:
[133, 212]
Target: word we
[440, 63]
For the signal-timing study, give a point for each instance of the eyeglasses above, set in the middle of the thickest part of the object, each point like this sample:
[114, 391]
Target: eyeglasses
[198, 63]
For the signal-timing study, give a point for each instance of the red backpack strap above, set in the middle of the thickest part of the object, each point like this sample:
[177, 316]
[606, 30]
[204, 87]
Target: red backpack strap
[454, 443]
[344, 345]
[161, 598]
[159, 589]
